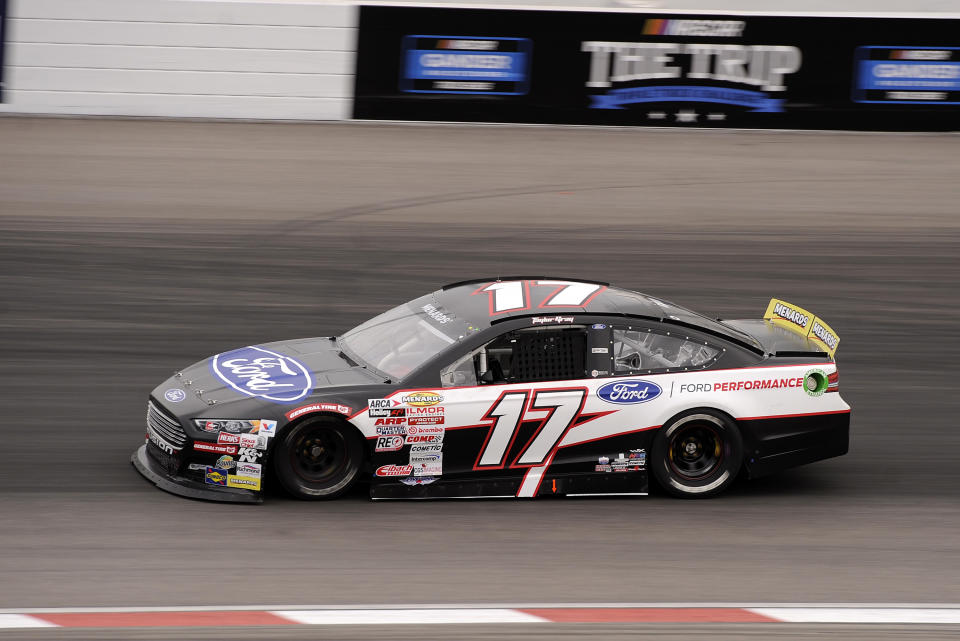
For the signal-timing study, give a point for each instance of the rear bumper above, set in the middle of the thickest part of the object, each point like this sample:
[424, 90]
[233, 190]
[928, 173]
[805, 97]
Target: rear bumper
[181, 486]
[774, 444]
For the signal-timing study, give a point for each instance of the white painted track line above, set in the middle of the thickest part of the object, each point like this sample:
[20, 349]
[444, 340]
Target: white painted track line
[22, 621]
[392, 617]
[861, 615]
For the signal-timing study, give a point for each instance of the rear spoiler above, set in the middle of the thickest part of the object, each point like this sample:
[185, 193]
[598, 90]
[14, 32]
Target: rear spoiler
[800, 321]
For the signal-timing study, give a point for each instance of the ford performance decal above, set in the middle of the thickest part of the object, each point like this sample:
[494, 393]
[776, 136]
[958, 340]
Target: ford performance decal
[629, 391]
[258, 372]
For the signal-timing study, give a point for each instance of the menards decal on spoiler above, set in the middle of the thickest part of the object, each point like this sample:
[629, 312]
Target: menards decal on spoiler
[800, 321]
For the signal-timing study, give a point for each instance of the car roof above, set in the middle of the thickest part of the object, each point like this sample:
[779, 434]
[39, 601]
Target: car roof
[472, 301]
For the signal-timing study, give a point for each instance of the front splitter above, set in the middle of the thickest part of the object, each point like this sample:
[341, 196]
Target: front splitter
[186, 487]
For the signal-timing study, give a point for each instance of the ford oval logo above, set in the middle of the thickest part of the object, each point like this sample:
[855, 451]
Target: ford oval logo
[629, 391]
[258, 372]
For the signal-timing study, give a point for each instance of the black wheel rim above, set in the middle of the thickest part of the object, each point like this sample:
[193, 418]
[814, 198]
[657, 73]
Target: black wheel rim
[319, 455]
[696, 451]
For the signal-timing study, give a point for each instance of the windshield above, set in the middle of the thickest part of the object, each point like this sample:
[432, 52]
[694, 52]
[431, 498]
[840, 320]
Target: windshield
[404, 338]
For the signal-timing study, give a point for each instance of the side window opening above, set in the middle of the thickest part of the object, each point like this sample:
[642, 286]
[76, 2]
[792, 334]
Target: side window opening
[644, 350]
[527, 355]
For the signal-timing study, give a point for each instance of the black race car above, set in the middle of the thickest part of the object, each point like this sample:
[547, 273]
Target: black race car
[516, 387]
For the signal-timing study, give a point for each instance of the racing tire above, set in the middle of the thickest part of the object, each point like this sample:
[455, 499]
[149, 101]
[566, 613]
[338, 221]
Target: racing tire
[697, 454]
[319, 458]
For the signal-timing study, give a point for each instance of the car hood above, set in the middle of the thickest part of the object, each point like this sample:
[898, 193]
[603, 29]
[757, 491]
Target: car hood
[283, 372]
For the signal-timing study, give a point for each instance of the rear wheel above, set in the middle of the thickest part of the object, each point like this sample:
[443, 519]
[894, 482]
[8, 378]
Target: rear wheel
[697, 455]
[319, 458]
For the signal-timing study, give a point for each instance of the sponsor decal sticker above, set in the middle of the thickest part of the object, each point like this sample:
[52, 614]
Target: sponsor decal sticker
[425, 430]
[738, 386]
[230, 439]
[598, 326]
[262, 373]
[388, 430]
[258, 441]
[226, 462]
[267, 428]
[250, 470]
[628, 391]
[394, 470]
[214, 448]
[425, 449]
[599, 350]
[249, 454]
[422, 399]
[389, 443]
[425, 438]
[175, 395]
[425, 420]
[319, 407]
[390, 421]
[418, 480]
[243, 482]
[215, 476]
[424, 411]
[393, 412]
[379, 403]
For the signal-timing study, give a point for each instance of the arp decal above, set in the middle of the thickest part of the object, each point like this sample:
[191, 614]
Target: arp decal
[262, 373]
[628, 391]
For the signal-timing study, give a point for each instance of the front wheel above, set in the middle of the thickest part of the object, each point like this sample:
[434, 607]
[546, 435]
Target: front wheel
[319, 458]
[697, 455]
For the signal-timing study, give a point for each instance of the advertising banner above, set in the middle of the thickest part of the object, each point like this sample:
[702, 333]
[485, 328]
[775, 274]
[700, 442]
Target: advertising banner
[628, 68]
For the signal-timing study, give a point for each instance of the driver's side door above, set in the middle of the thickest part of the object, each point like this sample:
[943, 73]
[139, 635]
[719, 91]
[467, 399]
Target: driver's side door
[509, 403]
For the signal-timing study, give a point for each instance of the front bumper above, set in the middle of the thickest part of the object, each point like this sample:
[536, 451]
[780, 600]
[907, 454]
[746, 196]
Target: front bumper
[181, 486]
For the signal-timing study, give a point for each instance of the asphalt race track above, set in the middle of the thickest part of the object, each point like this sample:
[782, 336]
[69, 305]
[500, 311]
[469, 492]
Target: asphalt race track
[131, 248]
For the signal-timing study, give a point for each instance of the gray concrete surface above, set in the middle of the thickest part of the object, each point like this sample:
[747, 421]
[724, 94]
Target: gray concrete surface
[128, 249]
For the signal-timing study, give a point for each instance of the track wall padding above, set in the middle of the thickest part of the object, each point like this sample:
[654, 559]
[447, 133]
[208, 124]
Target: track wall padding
[180, 58]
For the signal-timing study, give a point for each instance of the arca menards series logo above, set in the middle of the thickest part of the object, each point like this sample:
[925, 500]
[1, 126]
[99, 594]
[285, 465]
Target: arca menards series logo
[689, 72]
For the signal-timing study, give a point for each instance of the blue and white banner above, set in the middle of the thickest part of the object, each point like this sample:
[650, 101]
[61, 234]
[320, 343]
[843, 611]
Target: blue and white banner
[754, 100]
